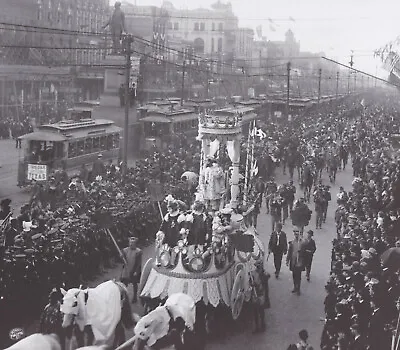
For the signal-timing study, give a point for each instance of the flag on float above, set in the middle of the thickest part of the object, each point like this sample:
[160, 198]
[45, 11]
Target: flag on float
[362, 102]
[272, 28]
[254, 169]
[261, 134]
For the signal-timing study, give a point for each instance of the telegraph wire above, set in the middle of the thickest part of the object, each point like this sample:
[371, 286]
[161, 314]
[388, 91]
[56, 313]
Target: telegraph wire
[49, 30]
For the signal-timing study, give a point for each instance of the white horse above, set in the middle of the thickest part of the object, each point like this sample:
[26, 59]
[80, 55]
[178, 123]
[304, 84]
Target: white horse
[154, 329]
[101, 309]
[37, 341]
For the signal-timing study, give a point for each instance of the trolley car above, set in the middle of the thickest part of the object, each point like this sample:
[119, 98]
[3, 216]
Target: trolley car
[67, 144]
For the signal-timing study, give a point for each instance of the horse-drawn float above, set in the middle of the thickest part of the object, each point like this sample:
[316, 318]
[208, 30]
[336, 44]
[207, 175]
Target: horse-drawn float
[212, 257]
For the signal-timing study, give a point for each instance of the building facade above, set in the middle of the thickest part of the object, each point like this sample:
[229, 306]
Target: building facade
[211, 32]
[49, 44]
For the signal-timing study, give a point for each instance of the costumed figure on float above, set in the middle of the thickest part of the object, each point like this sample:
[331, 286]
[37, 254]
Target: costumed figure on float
[207, 255]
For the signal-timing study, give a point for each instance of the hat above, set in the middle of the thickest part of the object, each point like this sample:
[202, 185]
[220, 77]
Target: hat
[372, 251]
[5, 202]
[198, 205]
[133, 238]
[26, 225]
[99, 155]
[310, 232]
[226, 211]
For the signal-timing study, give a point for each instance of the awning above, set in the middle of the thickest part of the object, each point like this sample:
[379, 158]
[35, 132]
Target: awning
[43, 136]
[156, 119]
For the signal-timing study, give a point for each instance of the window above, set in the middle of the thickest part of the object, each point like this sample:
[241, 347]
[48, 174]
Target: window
[196, 26]
[170, 25]
[220, 45]
[103, 143]
[116, 141]
[202, 27]
[88, 145]
[220, 27]
[213, 27]
[72, 150]
[96, 144]
[110, 142]
[80, 148]
[176, 26]
[212, 45]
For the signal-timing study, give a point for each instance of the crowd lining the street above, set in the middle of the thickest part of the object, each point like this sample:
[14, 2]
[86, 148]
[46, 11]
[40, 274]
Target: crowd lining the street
[60, 236]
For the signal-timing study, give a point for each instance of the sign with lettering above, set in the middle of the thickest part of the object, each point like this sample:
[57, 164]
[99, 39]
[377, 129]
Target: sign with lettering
[37, 172]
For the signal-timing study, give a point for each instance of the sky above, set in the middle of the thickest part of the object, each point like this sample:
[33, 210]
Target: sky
[335, 27]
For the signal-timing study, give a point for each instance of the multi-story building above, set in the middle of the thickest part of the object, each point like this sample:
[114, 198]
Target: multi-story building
[45, 44]
[211, 32]
[244, 46]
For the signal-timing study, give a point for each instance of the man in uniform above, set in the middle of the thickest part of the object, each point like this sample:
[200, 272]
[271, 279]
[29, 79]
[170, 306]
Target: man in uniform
[295, 260]
[278, 246]
[309, 250]
[132, 257]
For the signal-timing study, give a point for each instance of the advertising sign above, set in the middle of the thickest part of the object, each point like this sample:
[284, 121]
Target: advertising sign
[37, 172]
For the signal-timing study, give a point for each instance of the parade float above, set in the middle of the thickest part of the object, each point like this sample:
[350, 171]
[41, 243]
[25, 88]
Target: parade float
[215, 268]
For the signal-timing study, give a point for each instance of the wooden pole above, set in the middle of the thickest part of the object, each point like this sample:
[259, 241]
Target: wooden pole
[116, 246]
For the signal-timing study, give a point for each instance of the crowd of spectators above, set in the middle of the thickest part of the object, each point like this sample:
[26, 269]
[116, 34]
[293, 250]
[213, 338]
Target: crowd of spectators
[62, 235]
[17, 123]
[363, 289]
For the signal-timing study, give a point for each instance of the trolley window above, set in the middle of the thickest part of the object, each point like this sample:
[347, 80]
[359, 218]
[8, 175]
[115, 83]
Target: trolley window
[88, 145]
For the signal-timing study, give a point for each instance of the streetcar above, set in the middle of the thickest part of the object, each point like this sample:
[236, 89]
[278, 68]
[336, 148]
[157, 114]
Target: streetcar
[159, 125]
[67, 145]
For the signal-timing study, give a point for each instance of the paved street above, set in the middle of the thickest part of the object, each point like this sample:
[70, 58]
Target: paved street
[289, 313]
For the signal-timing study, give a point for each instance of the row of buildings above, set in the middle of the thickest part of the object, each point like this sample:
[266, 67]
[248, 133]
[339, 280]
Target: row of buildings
[55, 50]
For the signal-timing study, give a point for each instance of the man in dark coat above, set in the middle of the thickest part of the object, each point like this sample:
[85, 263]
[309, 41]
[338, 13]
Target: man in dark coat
[278, 246]
[131, 273]
[309, 250]
[98, 168]
[359, 342]
[295, 260]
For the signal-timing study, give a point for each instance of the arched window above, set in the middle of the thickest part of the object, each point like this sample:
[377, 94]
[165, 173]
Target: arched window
[198, 45]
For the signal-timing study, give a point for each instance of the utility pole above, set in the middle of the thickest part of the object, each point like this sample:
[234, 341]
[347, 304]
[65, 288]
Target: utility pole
[319, 84]
[208, 82]
[183, 80]
[355, 82]
[337, 84]
[128, 40]
[350, 70]
[288, 89]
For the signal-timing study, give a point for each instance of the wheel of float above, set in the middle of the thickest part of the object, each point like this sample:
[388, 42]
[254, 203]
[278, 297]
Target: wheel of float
[145, 274]
[238, 294]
